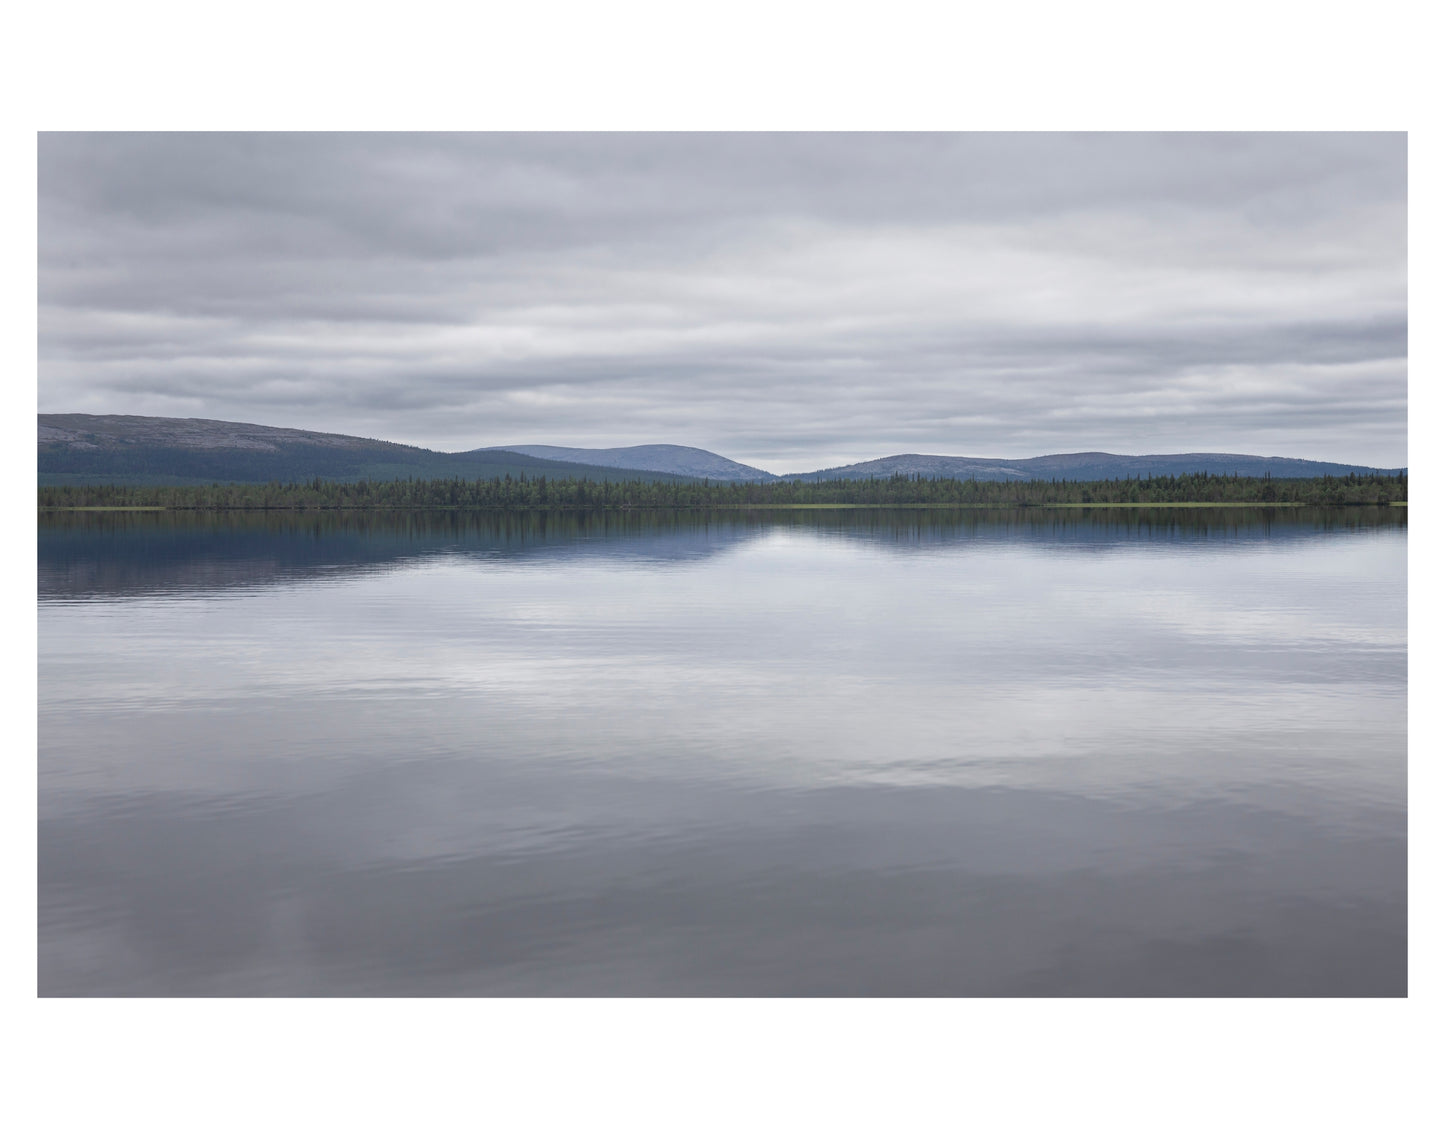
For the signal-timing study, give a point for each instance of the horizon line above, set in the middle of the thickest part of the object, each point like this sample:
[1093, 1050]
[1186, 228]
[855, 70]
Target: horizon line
[833, 466]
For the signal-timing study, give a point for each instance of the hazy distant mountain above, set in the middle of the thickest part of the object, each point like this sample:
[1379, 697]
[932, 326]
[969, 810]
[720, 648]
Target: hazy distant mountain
[159, 449]
[667, 457]
[1085, 466]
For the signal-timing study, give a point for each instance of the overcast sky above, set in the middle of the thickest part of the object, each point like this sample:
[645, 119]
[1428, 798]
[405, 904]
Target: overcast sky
[792, 301]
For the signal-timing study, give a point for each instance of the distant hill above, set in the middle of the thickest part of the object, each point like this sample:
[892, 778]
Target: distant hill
[1086, 466]
[667, 457]
[158, 450]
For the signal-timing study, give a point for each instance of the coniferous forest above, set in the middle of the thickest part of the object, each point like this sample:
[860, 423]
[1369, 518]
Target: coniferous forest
[541, 493]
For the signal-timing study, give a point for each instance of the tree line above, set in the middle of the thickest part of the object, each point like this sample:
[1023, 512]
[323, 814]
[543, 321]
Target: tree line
[542, 493]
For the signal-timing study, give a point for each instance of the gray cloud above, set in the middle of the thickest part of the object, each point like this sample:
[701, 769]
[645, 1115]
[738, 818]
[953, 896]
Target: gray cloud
[790, 300]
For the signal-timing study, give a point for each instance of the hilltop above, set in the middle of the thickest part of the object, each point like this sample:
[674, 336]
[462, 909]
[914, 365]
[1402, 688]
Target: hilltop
[693, 462]
[160, 450]
[1087, 466]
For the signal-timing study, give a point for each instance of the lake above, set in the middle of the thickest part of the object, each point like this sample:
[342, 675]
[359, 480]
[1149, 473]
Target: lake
[943, 753]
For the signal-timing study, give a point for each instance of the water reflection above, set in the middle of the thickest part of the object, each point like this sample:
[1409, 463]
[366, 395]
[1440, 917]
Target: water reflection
[83, 554]
[808, 752]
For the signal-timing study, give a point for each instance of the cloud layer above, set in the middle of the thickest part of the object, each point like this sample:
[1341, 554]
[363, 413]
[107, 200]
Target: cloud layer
[792, 301]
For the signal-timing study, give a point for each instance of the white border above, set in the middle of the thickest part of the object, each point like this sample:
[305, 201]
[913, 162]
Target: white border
[740, 66]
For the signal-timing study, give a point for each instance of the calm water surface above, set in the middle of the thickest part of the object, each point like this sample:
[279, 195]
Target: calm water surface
[841, 753]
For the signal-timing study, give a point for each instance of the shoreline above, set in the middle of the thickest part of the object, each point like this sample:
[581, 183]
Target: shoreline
[736, 507]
